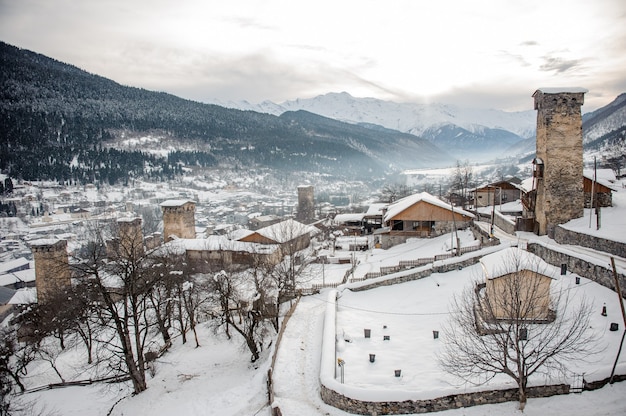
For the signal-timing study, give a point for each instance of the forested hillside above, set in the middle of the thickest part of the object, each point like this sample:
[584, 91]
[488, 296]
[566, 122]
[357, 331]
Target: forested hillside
[59, 122]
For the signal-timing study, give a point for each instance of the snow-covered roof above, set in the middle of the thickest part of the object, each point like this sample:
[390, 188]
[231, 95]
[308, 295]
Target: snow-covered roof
[11, 265]
[44, 242]
[344, 218]
[175, 202]
[218, 242]
[406, 202]
[511, 260]
[605, 177]
[128, 219]
[376, 209]
[285, 231]
[24, 296]
[24, 276]
[558, 90]
[527, 185]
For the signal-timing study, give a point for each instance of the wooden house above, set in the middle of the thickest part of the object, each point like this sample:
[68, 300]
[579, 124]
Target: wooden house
[496, 193]
[420, 215]
[517, 286]
[601, 185]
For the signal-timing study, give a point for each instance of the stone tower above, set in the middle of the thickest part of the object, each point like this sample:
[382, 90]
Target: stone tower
[178, 219]
[558, 167]
[306, 204]
[130, 236]
[52, 270]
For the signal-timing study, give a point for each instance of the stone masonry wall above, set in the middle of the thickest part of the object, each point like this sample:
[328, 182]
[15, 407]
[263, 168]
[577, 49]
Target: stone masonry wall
[564, 236]
[455, 401]
[599, 274]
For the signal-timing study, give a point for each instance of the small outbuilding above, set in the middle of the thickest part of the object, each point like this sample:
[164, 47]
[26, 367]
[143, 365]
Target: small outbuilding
[517, 286]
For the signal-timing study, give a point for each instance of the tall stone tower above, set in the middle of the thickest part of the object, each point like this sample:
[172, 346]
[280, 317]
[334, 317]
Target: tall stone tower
[52, 270]
[306, 204]
[130, 236]
[178, 219]
[558, 170]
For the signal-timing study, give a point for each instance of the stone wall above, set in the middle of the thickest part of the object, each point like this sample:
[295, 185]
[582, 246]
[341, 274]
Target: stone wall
[602, 274]
[454, 263]
[455, 401]
[564, 236]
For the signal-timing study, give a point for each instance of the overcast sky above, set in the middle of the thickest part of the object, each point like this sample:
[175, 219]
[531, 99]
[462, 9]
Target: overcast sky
[490, 54]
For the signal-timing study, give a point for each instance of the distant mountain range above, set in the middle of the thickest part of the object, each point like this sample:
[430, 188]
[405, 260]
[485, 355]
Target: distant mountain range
[60, 122]
[466, 133]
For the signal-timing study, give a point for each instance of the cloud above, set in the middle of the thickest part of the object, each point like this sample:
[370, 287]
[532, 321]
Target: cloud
[515, 57]
[529, 43]
[557, 64]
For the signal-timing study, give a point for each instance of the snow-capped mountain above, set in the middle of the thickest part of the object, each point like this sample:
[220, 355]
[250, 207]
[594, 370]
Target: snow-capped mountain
[481, 132]
[607, 122]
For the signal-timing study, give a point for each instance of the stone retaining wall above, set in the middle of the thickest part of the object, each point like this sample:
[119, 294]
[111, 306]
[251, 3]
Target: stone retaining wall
[420, 273]
[598, 273]
[564, 236]
[455, 401]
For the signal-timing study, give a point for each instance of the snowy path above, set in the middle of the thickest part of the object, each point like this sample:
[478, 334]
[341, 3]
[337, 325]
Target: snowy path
[296, 373]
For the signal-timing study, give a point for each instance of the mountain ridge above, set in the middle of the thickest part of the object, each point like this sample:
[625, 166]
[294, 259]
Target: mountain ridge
[61, 122]
[464, 132]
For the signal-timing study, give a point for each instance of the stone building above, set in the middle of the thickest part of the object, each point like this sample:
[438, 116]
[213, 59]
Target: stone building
[178, 219]
[129, 241]
[52, 271]
[558, 166]
[306, 204]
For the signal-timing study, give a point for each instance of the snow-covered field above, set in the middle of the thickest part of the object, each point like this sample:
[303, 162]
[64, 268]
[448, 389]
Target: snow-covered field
[217, 378]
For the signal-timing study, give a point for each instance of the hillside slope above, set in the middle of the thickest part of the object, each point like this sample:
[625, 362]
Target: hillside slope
[61, 122]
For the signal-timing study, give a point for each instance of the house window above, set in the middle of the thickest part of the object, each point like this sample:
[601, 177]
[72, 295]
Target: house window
[397, 225]
[423, 225]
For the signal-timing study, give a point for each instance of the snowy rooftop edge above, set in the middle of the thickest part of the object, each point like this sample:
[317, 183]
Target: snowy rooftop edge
[175, 202]
[557, 90]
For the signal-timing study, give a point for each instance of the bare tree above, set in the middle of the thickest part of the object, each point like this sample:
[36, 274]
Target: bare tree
[239, 303]
[515, 327]
[462, 180]
[294, 268]
[394, 191]
[119, 274]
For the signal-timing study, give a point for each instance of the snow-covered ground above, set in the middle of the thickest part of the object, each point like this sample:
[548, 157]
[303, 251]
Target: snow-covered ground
[217, 378]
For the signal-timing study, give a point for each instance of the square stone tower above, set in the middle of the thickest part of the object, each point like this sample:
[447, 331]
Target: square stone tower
[52, 270]
[306, 204]
[130, 237]
[558, 167]
[178, 219]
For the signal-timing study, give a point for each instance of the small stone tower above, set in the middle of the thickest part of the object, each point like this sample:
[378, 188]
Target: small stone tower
[130, 236]
[178, 219]
[558, 167]
[52, 270]
[306, 204]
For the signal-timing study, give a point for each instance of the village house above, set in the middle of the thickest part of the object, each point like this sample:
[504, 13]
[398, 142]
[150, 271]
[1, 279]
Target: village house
[600, 183]
[205, 254]
[419, 215]
[290, 234]
[517, 286]
[496, 193]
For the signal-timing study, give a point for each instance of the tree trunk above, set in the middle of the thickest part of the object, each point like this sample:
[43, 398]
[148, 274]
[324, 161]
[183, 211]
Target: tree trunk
[522, 395]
